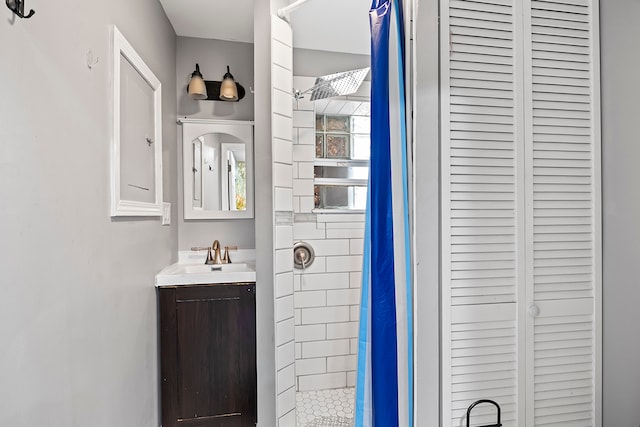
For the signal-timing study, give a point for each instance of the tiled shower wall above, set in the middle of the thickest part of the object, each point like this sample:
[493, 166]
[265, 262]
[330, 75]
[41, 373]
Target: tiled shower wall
[327, 294]
[281, 128]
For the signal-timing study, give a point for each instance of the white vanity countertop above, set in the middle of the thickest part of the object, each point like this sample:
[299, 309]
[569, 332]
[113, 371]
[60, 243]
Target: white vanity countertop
[191, 269]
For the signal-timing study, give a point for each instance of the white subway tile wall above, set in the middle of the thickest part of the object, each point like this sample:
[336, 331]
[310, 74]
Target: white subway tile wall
[337, 331]
[326, 294]
[311, 366]
[284, 284]
[283, 199]
[351, 379]
[284, 308]
[282, 152]
[324, 315]
[282, 175]
[282, 178]
[285, 378]
[286, 335]
[308, 230]
[284, 236]
[302, 153]
[341, 363]
[307, 136]
[286, 355]
[306, 204]
[305, 299]
[349, 233]
[322, 381]
[281, 127]
[305, 170]
[289, 419]
[302, 118]
[284, 260]
[302, 187]
[281, 48]
[310, 333]
[287, 399]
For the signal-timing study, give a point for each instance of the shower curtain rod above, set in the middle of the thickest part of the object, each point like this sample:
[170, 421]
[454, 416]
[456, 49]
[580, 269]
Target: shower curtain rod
[282, 13]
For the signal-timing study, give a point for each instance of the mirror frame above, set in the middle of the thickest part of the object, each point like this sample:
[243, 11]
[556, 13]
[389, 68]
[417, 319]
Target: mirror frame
[194, 128]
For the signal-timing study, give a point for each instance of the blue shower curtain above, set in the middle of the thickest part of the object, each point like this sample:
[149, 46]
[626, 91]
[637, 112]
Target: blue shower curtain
[384, 389]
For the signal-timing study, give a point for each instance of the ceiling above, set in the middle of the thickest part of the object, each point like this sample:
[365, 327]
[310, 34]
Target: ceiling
[205, 19]
[331, 25]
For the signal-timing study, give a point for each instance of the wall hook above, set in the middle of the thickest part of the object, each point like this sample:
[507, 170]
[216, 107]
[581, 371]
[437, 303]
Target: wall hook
[17, 7]
[91, 60]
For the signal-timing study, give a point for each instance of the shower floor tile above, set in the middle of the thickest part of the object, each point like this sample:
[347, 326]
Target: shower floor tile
[325, 408]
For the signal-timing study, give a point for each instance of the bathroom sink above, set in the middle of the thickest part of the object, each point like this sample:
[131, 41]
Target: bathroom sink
[193, 274]
[191, 269]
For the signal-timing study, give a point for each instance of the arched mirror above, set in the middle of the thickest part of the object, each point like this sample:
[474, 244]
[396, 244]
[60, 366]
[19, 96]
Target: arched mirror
[217, 162]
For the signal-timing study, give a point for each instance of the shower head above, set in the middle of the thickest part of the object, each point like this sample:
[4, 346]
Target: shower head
[338, 84]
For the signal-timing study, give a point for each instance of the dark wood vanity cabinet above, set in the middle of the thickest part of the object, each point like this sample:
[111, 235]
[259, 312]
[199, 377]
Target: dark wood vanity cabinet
[208, 355]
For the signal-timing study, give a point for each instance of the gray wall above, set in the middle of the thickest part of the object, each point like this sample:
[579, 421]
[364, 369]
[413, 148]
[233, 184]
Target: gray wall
[621, 214]
[426, 219]
[78, 307]
[314, 63]
[213, 57]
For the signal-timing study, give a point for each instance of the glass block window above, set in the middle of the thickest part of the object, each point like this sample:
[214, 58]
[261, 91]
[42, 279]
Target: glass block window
[342, 162]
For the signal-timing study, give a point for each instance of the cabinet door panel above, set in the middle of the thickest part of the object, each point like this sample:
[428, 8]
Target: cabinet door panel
[213, 330]
[222, 421]
[213, 378]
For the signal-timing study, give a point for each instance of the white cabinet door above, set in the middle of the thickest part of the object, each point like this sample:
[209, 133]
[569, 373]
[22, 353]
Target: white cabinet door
[563, 213]
[482, 214]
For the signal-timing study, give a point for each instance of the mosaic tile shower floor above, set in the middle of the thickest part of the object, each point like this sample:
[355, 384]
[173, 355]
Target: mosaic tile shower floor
[325, 408]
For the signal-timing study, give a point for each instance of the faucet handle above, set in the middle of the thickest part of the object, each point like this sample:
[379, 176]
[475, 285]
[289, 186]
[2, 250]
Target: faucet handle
[226, 259]
[210, 260]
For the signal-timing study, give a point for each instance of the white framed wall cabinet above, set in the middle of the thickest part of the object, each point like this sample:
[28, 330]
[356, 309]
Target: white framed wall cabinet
[136, 135]
[521, 223]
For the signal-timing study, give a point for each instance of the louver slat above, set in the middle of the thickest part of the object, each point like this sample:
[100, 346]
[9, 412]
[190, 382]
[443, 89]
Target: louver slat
[562, 215]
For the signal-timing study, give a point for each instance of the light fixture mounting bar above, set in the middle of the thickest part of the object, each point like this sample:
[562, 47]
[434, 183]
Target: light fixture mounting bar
[213, 91]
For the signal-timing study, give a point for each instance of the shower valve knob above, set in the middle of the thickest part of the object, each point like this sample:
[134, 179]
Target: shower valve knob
[303, 255]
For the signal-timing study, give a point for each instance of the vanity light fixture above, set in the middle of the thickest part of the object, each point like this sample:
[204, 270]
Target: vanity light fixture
[228, 87]
[226, 90]
[197, 88]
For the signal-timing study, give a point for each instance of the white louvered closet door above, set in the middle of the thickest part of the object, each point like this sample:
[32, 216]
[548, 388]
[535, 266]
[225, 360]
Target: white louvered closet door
[482, 106]
[520, 212]
[563, 214]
